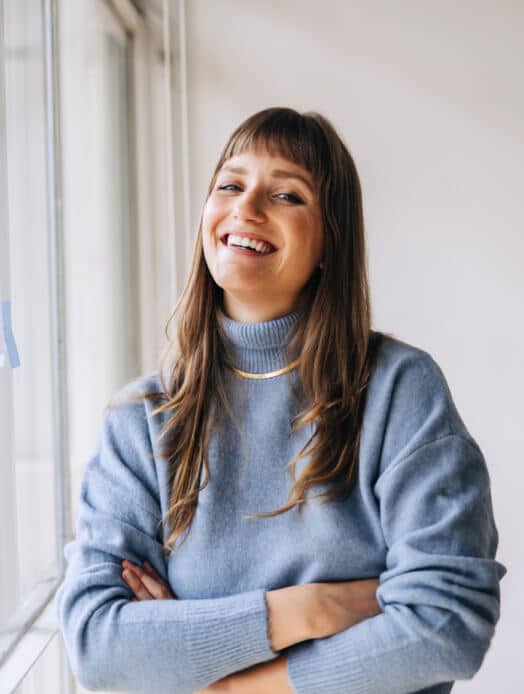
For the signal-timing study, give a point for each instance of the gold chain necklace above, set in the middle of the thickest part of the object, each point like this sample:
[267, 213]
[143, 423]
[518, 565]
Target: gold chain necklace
[271, 374]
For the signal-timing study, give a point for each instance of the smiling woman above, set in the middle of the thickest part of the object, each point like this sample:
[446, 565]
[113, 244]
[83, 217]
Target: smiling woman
[255, 200]
[292, 503]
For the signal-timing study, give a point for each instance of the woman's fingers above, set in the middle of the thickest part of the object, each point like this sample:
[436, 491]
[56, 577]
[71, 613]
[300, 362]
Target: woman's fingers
[155, 587]
[167, 593]
[141, 585]
[148, 568]
[136, 585]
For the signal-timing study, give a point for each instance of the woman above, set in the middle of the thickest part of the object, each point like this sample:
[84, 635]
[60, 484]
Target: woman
[292, 503]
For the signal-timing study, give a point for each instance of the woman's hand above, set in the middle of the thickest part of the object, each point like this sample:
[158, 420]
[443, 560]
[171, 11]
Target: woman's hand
[340, 605]
[264, 678]
[145, 583]
[291, 614]
[317, 610]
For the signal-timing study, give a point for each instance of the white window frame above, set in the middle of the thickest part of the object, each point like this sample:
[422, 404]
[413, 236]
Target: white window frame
[158, 200]
[35, 627]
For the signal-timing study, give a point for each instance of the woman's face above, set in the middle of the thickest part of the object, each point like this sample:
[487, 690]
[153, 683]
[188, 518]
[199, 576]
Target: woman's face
[260, 197]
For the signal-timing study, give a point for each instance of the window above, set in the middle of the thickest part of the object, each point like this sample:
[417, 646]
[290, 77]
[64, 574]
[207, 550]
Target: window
[87, 260]
[29, 488]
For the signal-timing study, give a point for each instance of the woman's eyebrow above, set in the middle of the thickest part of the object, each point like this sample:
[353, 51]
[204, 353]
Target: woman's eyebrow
[277, 173]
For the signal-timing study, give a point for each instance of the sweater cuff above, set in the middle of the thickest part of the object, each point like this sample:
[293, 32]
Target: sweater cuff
[233, 630]
[309, 674]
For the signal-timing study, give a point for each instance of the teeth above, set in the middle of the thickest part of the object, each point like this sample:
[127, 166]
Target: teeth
[245, 242]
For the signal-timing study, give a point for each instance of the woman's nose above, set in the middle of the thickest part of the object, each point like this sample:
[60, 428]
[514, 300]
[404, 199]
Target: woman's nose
[249, 206]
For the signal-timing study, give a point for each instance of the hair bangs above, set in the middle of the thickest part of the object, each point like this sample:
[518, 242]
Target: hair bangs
[285, 133]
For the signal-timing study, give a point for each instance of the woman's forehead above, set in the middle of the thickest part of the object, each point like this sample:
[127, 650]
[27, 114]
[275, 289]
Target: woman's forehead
[251, 155]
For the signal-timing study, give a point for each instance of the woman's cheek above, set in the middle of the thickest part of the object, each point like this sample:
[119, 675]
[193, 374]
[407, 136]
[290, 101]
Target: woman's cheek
[212, 211]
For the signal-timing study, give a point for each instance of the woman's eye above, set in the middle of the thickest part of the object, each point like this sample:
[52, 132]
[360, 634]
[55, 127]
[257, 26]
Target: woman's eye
[291, 197]
[226, 186]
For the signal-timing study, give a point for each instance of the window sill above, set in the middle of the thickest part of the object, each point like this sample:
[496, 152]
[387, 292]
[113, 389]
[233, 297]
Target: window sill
[28, 649]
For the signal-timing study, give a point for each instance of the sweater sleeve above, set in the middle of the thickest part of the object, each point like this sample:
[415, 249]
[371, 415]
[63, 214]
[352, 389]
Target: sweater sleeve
[439, 593]
[175, 646]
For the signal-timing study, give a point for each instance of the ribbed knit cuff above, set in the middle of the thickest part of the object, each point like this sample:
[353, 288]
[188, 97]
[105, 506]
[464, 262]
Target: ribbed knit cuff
[232, 634]
[309, 674]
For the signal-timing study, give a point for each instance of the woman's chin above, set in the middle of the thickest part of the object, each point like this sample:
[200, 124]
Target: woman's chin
[243, 282]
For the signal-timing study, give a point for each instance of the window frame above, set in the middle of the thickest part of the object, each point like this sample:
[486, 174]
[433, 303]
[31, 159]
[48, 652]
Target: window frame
[32, 632]
[38, 623]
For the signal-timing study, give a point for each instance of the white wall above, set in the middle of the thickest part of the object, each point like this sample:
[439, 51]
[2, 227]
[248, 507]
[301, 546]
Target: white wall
[429, 99]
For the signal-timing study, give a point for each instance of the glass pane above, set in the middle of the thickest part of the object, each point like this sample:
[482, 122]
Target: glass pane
[30, 296]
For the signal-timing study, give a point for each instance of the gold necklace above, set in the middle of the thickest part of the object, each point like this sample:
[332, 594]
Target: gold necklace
[271, 374]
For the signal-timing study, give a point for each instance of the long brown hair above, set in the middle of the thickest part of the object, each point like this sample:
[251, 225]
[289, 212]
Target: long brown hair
[333, 336]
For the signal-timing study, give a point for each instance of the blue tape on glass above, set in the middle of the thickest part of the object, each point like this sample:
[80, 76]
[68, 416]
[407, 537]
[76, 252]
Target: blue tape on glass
[7, 340]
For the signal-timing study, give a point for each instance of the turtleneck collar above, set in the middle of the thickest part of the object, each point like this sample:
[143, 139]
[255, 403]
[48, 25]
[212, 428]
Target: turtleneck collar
[259, 347]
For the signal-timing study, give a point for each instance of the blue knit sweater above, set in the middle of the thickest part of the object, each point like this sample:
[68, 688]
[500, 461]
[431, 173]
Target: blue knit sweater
[420, 518]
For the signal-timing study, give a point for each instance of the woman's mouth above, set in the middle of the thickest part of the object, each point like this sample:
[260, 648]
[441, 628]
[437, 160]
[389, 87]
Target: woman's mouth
[247, 246]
